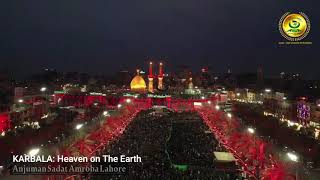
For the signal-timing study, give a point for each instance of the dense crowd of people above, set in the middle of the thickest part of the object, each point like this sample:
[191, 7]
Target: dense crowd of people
[197, 147]
[164, 141]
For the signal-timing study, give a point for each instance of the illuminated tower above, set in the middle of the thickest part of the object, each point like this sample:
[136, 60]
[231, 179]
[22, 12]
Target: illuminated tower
[190, 85]
[150, 78]
[160, 77]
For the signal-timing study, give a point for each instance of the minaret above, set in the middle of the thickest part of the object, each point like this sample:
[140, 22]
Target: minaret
[160, 77]
[150, 78]
[190, 85]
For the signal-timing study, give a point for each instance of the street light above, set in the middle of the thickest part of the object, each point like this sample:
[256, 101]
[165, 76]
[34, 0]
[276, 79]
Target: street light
[43, 89]
[292, 157]
[106, 113]
[267, 90]
[251, 130]
[79, 126]
[34, 152]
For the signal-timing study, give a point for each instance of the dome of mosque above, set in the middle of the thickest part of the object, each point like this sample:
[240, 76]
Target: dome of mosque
[138, 84]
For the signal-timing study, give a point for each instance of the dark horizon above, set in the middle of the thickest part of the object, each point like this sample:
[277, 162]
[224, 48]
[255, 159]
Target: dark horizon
[105, 37]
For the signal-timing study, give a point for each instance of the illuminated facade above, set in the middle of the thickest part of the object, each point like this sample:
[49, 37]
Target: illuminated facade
[190, 85]
[191, 90]
[150, 78]
[138, 84]
[160, 77]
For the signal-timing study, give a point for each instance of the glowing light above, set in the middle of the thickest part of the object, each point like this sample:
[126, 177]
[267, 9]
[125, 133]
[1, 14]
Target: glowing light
[316, 133]
[128, 100]
[43, 89]
[251, 130]
[267, 90]
[20, 101]
[119, 106]
[44, 116]
[79, 126]
[284, 98]
[106, 113]
[238, 94]
[202, 97]
[97, 94]
[217, 107]
[229, 115]
[3, 133]
[292, 157]
[209, 102]
[290, 123]
[34, 152]
[197, 103]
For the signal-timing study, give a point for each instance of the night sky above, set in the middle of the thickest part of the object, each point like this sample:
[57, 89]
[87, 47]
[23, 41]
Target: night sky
[104, 36]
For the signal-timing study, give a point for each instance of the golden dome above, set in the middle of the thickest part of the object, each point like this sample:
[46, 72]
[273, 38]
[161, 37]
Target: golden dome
[138, 84]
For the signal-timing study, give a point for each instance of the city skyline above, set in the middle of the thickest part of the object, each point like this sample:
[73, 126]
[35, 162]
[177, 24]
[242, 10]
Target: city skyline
[180, 89]
[105, 37]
